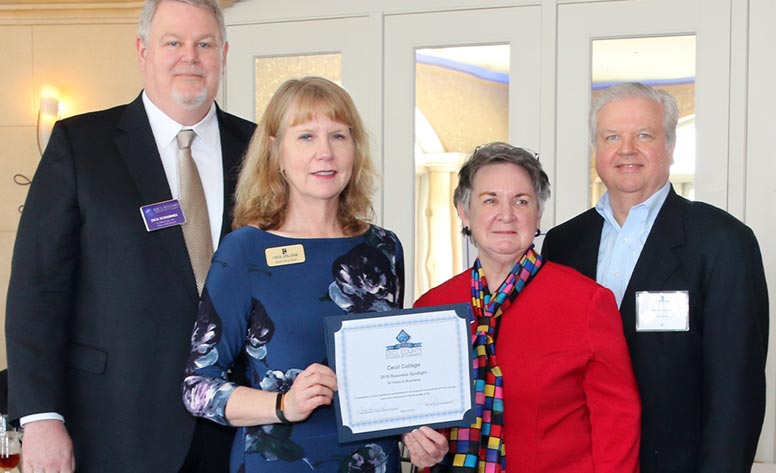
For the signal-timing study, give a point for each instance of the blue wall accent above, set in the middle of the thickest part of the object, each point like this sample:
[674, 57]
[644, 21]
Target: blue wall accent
[476, 71]
[653, 82]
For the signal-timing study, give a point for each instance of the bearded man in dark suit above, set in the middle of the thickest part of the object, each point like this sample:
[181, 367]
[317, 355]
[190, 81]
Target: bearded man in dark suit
[690, 283]
[102, 300]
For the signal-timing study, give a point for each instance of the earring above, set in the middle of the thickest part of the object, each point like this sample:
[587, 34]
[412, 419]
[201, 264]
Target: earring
[538, 232]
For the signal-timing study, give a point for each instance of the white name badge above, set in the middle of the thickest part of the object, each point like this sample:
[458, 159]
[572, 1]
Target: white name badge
[663, 311]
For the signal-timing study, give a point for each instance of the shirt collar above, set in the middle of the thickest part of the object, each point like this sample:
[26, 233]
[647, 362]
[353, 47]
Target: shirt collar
[652, 206]
[165, 129]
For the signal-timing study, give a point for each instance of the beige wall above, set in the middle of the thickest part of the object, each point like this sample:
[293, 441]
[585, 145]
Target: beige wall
[89, 55]
[445, 97]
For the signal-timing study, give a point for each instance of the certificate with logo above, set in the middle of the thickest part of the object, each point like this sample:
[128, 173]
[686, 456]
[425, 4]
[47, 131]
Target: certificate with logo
[401, 369]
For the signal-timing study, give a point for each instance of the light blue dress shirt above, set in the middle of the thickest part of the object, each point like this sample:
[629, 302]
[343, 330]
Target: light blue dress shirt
[621, 247]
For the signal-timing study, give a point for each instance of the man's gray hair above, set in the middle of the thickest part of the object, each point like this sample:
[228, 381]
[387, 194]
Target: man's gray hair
[636, 90]
[149, 11]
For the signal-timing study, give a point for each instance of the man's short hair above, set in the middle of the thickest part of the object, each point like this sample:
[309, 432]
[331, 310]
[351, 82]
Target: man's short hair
[637, 90]
[150, 7]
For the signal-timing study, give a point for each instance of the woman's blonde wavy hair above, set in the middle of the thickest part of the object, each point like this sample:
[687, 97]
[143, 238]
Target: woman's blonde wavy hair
[262, 193]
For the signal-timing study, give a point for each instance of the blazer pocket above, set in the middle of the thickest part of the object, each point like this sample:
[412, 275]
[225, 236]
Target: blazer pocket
[86, 358]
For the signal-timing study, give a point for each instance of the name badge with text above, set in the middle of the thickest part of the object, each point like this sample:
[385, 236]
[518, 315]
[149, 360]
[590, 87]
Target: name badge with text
[283, 255]
[162, 215]
[662, 311]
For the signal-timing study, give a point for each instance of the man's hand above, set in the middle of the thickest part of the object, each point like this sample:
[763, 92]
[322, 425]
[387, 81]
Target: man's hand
[47, 448]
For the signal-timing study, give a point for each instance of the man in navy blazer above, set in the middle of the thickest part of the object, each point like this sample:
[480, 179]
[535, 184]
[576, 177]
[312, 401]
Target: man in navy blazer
[100, 309]
[690, 282]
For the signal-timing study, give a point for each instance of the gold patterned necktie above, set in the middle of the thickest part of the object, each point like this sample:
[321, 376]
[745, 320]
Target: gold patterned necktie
[196, 230]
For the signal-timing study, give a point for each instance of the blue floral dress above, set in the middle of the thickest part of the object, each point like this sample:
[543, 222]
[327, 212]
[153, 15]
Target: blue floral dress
[272, 317]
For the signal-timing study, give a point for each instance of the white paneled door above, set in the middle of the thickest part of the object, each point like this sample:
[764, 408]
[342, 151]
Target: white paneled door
[517, 27]
[579, 24]
[348, 45]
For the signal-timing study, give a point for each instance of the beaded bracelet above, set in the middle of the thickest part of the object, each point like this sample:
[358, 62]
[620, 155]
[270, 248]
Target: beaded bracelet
[279, 408]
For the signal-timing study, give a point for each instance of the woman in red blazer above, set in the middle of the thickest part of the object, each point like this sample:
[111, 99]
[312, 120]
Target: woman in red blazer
[555, 391]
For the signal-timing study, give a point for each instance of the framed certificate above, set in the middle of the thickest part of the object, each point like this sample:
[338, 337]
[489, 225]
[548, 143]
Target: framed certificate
[401, 369]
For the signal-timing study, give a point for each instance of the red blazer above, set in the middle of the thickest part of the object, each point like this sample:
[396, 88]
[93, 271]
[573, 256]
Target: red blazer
[570, 398]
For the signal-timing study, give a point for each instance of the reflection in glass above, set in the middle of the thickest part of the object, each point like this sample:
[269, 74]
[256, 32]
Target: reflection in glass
[462, 100]
[665, 62]
[273, 71]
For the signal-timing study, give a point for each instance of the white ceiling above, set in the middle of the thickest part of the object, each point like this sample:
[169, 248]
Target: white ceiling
[614, 60]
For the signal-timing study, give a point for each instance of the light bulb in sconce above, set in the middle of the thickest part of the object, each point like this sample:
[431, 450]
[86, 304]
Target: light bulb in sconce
[48, 113]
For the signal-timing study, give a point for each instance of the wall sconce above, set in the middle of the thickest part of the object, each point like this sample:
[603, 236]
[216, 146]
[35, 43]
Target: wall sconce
[48, 113]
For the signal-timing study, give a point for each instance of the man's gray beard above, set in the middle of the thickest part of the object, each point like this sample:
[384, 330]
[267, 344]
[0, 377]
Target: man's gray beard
[190, 101]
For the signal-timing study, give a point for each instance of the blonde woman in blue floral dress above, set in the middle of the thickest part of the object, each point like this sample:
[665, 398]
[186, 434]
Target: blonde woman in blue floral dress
[300, 250]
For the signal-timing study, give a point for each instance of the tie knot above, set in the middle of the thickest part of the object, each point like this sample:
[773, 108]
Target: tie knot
[185, 137]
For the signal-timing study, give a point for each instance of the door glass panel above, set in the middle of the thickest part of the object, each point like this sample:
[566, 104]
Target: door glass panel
[270, 72]
[665, 62]
[461, 101]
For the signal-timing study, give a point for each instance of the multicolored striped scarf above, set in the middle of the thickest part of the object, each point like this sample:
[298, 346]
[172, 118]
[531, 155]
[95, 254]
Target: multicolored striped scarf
[480, 447]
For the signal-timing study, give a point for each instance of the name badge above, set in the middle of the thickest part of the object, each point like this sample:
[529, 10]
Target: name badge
[663, 311]
[283, 255]
[162, 215]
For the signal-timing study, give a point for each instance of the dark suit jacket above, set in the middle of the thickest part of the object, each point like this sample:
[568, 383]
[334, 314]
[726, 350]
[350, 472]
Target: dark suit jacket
[702, 391]
[100, 311]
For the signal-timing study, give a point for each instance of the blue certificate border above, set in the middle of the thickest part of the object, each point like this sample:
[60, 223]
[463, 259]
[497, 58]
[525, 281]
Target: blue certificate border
[333, 324]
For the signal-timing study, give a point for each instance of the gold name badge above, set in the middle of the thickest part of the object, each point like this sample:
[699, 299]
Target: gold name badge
[283, 255]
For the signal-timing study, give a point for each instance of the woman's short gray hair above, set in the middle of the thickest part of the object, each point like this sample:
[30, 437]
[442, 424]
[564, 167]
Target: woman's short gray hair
[637, 90]
[497, 153]
[149, 11]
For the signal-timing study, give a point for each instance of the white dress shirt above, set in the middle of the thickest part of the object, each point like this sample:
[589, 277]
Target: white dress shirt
[206, 151]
